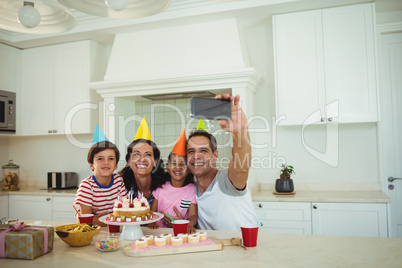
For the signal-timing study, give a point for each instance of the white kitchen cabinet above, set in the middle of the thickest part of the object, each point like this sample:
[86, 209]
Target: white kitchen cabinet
[325, 67]
[284, 217]
[351, 219]
[3, 206]
[9, 68]
[30, 207]
[63, 210]
[55, 94]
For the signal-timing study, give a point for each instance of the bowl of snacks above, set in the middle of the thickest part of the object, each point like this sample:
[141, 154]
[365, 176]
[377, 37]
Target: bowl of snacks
[107, 242]
[77, 235]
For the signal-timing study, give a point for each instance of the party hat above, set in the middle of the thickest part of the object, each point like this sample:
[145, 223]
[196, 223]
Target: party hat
[143, 131]
[98, 136]
[201, 125]
[180, 146]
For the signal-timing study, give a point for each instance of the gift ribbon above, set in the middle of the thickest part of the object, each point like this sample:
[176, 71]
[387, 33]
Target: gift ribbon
[18, 227]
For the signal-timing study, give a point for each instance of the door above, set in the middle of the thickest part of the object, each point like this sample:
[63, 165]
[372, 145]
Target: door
[391, 125]
[351, 219]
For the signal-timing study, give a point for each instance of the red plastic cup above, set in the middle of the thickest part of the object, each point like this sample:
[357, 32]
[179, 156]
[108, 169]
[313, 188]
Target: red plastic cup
[249, 234]
[180, 227]
[86, 218]
[113, 228]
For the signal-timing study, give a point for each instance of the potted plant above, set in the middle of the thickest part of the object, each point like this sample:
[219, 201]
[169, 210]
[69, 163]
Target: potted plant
[285, 184]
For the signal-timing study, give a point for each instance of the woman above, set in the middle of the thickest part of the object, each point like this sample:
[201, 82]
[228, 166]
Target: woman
[144, 171]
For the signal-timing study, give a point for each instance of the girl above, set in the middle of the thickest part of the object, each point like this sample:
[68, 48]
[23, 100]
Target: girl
[177, 196]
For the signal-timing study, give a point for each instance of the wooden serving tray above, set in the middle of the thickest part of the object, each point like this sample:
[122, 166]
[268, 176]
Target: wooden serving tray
[208, 245]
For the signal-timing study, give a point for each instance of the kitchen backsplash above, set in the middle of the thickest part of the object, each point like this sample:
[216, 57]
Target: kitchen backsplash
[166, 120]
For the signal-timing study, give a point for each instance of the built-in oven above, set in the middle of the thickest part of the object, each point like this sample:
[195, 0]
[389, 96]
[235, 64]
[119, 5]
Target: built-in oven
[7, 112]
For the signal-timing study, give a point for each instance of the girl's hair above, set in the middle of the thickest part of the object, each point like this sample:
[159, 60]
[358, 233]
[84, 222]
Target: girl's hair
[157, 174]
[189, 178]
[99, 147]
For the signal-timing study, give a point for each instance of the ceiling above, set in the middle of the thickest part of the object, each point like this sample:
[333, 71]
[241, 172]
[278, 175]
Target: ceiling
[103, 30]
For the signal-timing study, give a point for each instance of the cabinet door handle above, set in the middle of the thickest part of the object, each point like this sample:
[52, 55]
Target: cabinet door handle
[315, 206]
[48, 199]
[262, 224]
[260, 205]
[322, 119]
[330, 119]
[49, 131]
[54, 131]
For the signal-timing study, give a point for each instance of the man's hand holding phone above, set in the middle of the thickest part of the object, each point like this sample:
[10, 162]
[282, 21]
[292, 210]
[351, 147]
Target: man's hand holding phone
[239, 120]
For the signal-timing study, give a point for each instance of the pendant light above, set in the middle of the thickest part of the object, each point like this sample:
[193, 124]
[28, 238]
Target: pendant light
[120, 9]
[36, 17]
[28, 15]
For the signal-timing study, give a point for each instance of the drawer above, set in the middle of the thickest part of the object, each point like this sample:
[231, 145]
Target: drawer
[281, 211]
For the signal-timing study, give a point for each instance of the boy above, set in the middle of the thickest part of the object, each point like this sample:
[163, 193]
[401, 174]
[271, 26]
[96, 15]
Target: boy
[97, 193]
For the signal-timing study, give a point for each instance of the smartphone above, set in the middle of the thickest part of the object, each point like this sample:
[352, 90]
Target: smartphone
[214, 109]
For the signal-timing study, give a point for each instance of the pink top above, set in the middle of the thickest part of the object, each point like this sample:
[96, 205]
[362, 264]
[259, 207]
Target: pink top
[169, 196]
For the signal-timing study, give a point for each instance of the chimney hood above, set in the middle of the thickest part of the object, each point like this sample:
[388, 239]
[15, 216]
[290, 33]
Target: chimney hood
[180, 61]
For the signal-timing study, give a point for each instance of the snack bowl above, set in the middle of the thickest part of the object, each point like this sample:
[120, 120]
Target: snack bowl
[107, 242]
[77, 235]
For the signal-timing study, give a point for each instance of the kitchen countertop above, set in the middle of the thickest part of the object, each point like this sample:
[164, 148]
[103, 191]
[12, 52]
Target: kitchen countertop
[273, 250]
[260, 196]
[37, 191]
[324, 196]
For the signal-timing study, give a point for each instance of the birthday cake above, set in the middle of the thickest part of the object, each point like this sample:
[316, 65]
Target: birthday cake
[129, 209]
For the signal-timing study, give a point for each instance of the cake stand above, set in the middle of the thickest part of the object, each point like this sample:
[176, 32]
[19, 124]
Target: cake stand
[132, 230]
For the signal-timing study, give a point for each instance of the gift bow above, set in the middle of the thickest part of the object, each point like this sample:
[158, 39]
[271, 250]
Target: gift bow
[18, 227]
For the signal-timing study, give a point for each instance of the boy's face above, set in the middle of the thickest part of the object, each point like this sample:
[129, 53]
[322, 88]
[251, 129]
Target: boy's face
[104, 163]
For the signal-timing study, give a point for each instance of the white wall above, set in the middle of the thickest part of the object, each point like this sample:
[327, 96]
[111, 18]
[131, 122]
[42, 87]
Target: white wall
[3, 153]
[41, 154]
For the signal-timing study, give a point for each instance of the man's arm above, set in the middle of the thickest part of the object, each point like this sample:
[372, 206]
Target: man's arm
[241, 151]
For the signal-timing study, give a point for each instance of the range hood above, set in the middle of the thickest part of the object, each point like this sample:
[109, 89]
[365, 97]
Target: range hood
[179, 61]
[183, 95]
[183, 61]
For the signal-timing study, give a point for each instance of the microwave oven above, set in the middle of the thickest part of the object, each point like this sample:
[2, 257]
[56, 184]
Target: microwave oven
[7, 112]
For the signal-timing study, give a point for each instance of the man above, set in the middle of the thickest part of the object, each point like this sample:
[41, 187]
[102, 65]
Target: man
[224, 202]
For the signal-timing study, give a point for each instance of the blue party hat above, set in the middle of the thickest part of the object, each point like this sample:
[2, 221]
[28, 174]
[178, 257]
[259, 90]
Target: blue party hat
[98, 136]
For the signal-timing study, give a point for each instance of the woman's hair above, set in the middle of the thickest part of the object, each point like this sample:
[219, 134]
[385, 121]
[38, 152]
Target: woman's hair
[157, 174]
[99, 147]
[189, 178]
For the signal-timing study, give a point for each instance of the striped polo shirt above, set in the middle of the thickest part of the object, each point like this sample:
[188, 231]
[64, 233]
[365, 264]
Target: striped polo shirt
[92, 194]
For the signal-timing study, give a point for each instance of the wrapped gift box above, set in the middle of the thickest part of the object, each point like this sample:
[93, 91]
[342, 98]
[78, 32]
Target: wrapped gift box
[26, 243]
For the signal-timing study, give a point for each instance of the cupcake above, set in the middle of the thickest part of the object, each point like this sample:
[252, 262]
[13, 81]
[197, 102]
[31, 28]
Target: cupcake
[149, 238]
[177, 241]
[193, 239]
[168, 237]
[203, 236]
[160, 241]
[141, 243]
[185, 237]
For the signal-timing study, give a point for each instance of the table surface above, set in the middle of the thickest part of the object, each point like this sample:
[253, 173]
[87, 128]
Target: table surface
[273, 250]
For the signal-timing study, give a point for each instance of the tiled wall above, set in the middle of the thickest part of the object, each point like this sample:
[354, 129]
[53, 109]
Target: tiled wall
[166, 119]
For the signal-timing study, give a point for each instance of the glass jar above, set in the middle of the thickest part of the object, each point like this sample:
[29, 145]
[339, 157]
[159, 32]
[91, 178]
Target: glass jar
[11, 176]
